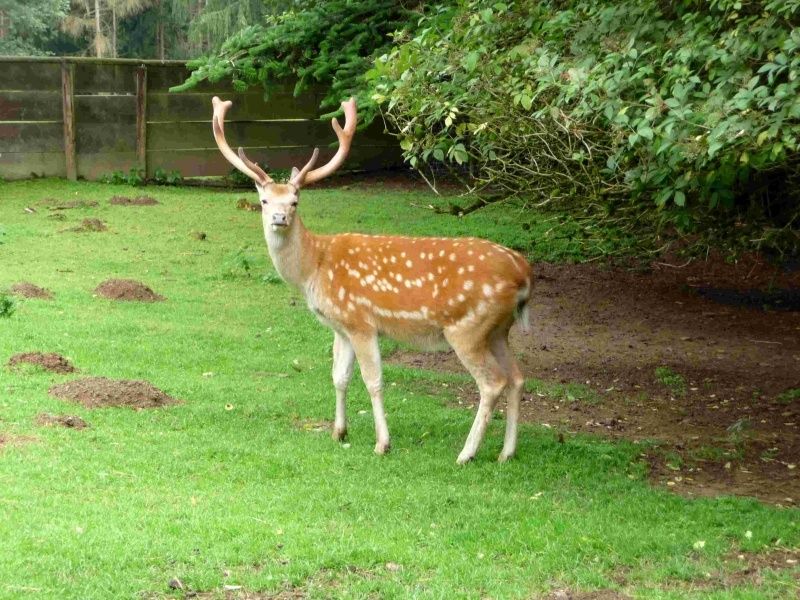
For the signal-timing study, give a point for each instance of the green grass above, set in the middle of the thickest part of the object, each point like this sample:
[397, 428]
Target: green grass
[789, 396]
[248, 497]
[673, 381]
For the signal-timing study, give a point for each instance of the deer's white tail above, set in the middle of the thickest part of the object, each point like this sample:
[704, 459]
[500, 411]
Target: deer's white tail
[522, 313]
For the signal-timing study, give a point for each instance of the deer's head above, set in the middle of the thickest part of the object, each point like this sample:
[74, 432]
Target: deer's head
[279, 200]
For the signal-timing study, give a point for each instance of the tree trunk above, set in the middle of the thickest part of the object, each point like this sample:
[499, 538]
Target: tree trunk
[114, 32]
[98, 32]
[161, 42]
[3, 25]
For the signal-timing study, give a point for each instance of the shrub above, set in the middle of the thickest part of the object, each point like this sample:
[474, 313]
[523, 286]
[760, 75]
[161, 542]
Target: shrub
[671, 111]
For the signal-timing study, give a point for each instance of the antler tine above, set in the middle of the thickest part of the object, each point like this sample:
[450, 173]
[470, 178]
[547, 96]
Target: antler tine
[253, 165]
[218, 124]
[345, 136]
[298, 177]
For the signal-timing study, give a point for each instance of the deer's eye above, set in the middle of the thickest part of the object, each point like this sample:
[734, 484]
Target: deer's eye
[264, 202]
[294, 203]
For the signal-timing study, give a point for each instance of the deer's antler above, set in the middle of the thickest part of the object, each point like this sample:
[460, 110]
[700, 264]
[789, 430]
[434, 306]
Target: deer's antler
[345, 135]
[241, 162]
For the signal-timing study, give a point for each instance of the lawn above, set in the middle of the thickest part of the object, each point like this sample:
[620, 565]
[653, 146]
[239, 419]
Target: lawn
[241, 485]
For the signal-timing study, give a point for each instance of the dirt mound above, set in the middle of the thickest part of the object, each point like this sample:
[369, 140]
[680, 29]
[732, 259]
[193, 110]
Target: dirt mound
[55, 204]
[30, 290]
[128, 290]
[89, 225]
[138, 201]
[596, 595]
[49, 361]
[68, 421]
[99, 392]
[245, 204]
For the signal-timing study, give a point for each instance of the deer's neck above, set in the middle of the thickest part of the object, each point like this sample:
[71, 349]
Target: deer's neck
[295, 253]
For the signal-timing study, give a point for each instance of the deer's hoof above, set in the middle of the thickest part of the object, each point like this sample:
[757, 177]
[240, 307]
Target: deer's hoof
[381, 448]
[339, 434]
[464, 458]
[505, 456]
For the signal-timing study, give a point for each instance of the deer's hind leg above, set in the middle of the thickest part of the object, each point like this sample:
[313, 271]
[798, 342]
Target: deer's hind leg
[516, 382]
[476, 355]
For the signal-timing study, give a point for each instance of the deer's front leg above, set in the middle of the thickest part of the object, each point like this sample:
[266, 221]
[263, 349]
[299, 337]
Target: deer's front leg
[369, 361]
[343, 357]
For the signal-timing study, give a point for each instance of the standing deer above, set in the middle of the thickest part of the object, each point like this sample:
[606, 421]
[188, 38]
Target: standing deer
[425, 290]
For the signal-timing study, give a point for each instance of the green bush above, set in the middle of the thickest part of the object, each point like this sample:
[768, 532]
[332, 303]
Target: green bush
[667, 111]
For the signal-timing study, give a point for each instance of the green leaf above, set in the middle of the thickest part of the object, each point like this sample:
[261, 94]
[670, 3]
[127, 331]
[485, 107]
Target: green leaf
[679, 198]
[471, 61]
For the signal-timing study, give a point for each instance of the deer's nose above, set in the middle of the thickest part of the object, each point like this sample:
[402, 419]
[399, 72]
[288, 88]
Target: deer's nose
[279, 219]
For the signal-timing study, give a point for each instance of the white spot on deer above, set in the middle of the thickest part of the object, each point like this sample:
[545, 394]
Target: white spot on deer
[430, 255]
[408, 283]
[445, 282]
[393, 259]
[461, 297]
[430, 276]
[418, 282]
[398, 277]
[341, 293]
[460, 270]
[471, 268]
[481, 257]
[499, 286]
[435, 291]
[402, 255]
[452, 256]
[350, 307]
[422, 255]
[369, 278]
[330, 274]
[487, 290]
[409, 264]
[468, 284]
[385, 260]
[441, 253]
[451, 302]
[470, 252]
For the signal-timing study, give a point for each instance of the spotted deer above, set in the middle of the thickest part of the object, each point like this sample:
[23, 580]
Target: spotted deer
[424, 290]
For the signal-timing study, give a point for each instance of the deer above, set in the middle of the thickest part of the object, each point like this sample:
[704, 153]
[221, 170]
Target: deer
[428, 291]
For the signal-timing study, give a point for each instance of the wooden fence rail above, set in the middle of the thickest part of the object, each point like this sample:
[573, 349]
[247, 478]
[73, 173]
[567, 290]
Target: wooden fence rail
[85, 117]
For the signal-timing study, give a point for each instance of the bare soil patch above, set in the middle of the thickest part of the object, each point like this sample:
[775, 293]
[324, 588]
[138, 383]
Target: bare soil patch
[68, 421]
[138, 201]
[50, 361]
[55, 204]
[100, 392]
[128, 290]
[732, 428]
[30, 290]
[89, 226]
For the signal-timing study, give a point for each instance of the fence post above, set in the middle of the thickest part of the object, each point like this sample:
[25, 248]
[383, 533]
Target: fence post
[141, 118]
[68, 103]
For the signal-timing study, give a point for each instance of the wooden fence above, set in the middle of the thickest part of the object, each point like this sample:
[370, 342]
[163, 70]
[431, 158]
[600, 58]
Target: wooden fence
[84, 117]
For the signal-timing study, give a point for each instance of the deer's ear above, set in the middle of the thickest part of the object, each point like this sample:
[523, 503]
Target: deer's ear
[295, 171]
